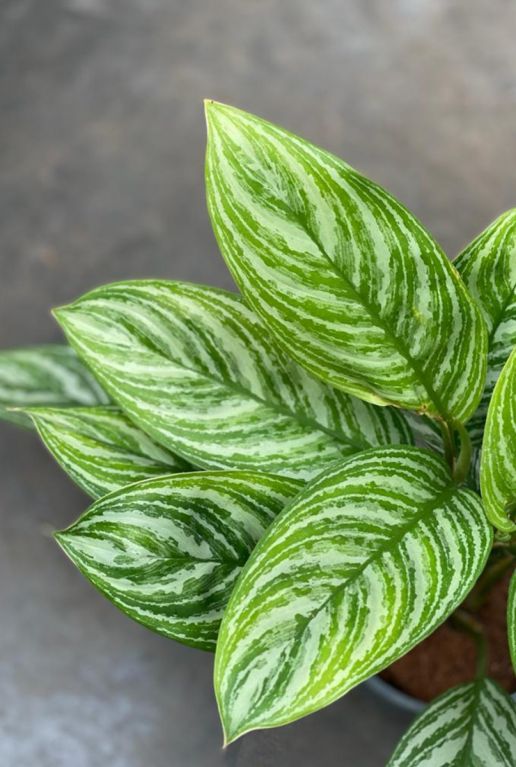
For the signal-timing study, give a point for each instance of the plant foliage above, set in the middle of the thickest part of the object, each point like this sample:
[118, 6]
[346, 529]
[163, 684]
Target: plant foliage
[308, 478]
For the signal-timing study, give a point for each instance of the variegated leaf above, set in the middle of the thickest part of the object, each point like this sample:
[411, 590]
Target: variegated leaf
[196, 370]
[167, 551]
[100, 449]
[472, 725]
[347, 280]
[369, 559]
[488, 267]
[44, 375]
[511, 619]
[498, 459]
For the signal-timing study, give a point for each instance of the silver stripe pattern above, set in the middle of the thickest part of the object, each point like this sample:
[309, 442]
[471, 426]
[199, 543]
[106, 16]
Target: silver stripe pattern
[366, 562]
[472, 725]
[167, 551]
[347, 280]
[194, 368]
[44, 375]
[488, 268]
[498, 457]
[100, 449]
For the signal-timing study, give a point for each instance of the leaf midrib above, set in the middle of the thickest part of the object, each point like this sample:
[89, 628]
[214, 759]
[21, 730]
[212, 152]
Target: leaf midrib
[500, 316]
[373, 312]
[378, 554]
[472, 715]
[180, 558]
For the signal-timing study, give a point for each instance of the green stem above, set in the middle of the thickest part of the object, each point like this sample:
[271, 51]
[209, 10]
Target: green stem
[449, 449]
[463, 462]
[465, 622]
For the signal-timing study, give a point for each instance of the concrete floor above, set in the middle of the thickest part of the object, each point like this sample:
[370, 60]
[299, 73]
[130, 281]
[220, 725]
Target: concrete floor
[101, 178]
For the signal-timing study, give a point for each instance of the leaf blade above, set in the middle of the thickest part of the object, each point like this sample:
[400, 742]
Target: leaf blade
[498, 456]
[346, 278]
[100, 449]
[196, 370]
[313, 613]
[44, 375]
[488, 268]
[472, 724]
[511, 620]
[167, 551]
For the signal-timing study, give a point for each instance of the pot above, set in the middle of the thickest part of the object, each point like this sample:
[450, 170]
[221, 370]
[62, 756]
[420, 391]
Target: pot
[393, 695]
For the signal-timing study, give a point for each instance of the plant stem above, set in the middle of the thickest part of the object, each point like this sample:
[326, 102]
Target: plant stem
[465, 622]
[459, 465]
[461, 468]
[449, 449]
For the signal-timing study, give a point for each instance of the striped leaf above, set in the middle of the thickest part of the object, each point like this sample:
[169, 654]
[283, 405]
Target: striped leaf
[167, 551]
[511, 619]
[472, 725]
[366, 562]
[343, 275]
[498, 459]
[44, 375]
[488, 267]
[195, 369]
[100, 449]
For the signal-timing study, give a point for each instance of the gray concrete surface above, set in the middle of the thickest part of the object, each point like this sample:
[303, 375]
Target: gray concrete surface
[101, 178]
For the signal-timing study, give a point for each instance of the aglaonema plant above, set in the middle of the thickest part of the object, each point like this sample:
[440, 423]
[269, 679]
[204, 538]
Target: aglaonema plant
[309, 478]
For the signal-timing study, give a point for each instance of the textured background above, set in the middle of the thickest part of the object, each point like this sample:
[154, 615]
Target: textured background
[101, 178]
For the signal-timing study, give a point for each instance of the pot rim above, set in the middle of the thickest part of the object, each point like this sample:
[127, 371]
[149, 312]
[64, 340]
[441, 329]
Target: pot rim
[401, 699]
[394, 695]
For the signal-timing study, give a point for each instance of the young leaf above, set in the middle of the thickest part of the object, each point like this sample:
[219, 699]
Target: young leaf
[196, 370]
[100, 449]
[366, 562]
[44, 375]
[498, 458]
[511, 620]
[344, 276]
[167, 551]
[488, 267]
[472, 725]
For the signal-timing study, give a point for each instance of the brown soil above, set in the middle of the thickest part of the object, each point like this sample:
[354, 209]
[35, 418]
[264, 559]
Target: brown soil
[447, 657]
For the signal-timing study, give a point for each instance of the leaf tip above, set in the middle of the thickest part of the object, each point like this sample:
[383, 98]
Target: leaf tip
[213, 108]
[230, 737]
[209, 107]
[61, 538]
[232, 730]
[59, 313]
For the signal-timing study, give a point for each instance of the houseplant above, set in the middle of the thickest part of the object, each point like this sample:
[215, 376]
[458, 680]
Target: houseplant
[312, 478]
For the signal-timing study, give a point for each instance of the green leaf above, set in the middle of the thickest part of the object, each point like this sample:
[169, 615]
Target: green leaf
[511, 619]
[347, 280]
[167, 551]
[366, 562]
[44, 375]
[196, 370]
[488, 267]
[100, 449]
[472, 725]
[498, 458]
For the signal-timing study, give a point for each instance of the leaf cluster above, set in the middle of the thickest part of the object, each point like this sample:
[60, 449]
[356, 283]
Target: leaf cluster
[310, 477]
